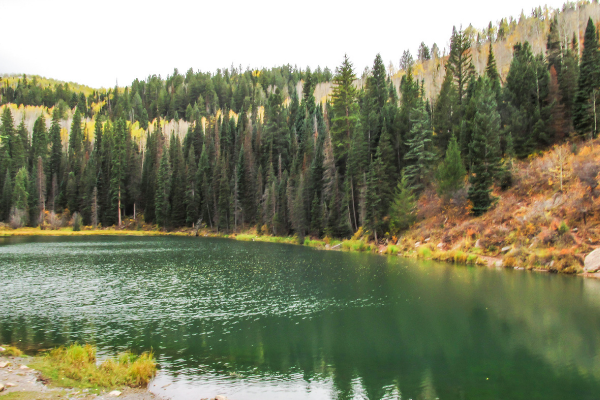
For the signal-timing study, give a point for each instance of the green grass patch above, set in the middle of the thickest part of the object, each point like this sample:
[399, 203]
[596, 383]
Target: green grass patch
[391, 249]
[424, 252]
[75, 366]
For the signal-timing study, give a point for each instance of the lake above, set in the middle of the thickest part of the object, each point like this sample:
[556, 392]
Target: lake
[272, 321]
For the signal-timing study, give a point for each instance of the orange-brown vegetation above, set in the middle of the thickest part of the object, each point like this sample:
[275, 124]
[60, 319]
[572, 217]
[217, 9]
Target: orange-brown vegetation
[535, 224]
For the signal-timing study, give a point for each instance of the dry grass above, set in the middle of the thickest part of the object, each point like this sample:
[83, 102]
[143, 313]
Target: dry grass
[11, 351]
[75, 366]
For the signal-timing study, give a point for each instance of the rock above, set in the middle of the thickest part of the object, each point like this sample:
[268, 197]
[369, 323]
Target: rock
[427, 240]
[574, 230]
[417, 244]
[10, 384]
[337, 246]
[2, 349]
[592, 261]
[4, 364]
[551, 263]
[441, 245]
[114, 393]
[1, 387]
[505, 249]
[219, 397]
[477, 244]
[24, 367]
[327, 247]
[498, 264]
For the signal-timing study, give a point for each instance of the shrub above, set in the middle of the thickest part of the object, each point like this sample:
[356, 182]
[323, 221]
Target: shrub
[54, 221]
[17, 218]
[563, 228]
[391, 249]
[76, 222]
[11, 351]
[424, 252]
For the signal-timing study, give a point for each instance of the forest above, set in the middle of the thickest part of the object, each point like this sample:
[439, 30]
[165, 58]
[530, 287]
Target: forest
[261, 151]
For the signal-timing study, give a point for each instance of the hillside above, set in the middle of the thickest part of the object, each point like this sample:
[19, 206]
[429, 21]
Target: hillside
[539, 223]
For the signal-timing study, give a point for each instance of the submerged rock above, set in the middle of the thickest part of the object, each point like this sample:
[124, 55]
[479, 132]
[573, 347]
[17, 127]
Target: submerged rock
[592, 261]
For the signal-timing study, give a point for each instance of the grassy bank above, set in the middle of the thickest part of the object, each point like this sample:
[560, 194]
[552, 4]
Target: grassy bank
[76, 366]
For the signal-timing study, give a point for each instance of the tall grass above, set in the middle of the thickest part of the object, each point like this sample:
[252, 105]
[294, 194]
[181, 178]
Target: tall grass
[75, 366]
[11, 351]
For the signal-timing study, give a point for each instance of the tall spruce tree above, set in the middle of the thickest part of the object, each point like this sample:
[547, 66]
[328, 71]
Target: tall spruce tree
[345, 112]
[484, 149]
[588, 88]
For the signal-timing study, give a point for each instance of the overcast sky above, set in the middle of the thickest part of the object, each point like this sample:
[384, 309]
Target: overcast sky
[99, 42]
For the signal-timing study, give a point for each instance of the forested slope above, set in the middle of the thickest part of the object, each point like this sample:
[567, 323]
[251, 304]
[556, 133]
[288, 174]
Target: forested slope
[297, 152]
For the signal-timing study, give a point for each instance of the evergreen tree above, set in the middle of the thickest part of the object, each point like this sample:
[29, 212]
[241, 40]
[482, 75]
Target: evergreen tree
[491, 72]
[403, 208]
[420, 156]
[484, 149]
[178, 184]
[445, 115]
[451, 172]
[345, 111]
[163, 187]
[588, 88]
[20, 194]
[7, 192]
[39, 142]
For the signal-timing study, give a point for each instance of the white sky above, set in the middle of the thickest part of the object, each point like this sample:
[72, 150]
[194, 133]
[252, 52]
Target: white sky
[99, 42]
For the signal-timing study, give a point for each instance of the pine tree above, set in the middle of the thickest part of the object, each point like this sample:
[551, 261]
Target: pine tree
[192, 192]
[118, 168]
[178, 184]
[491, 72]
[588, 88]
[39, 142]
[420, 156]
[403, 208]
[345, 111]
[445, 115]
[20, 194]
[7, 191]
[163, 187]
[484, 149]
[460, 64]
[451, 172]
[56, 148]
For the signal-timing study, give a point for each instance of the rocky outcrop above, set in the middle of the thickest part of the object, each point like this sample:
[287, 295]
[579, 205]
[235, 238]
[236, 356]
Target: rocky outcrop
[592, 261]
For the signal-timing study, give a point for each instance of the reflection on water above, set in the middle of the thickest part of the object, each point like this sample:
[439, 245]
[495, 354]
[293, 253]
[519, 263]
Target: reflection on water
[268, 321]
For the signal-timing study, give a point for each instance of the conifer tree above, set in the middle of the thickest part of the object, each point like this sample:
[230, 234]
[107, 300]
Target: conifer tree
[445, 115]
[163, 187]
[420, 156]
[39, 142]
[7, 192]
[484, 149]
[451, 172]
[178, 184]
[118, 168]
[403, 208]
[56, 147]
[588, 88]
[491, 72]
[345, 111]
[20, 194]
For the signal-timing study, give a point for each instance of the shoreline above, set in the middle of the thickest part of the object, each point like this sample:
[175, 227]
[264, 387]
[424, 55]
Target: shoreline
[420, 251]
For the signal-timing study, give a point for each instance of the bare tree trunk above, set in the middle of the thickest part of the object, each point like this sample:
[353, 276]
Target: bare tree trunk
[119, 207]
[95, 208]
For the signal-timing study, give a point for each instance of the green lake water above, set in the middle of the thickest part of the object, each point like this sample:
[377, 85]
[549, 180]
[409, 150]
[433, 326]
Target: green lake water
[271, 321]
